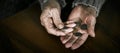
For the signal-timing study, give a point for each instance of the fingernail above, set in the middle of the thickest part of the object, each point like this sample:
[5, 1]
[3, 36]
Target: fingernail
[93, 35]
[67, 45]
[64, 42]
[71, 25]
[60, 26]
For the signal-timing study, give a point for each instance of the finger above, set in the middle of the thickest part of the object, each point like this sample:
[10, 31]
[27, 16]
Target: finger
[64, 39]
[71, 41]
[69, 22]
[91, 31]
[71, 25]
[56, 32]
[50, 28]
[56, 18]
[79, 42]
[68, 30]
[91, 23]
[45, 14]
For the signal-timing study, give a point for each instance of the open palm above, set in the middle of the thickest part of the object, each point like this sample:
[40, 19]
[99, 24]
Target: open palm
[84, 18]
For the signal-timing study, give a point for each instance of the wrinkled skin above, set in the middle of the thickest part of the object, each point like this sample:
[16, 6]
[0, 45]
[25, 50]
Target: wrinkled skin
[50, 19]
[87, 16]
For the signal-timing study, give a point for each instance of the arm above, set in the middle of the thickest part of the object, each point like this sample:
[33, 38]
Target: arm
[44, 2]
[96, 4]
[84, 15]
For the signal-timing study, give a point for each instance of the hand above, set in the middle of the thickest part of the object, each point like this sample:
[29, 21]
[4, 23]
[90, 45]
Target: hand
[50, 19]
[81, 15]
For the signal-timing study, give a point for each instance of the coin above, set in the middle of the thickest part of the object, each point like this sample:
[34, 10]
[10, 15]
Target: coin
[83, 26]
[77, 34]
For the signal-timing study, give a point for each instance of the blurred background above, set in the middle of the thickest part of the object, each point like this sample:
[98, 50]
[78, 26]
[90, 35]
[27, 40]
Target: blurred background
[23, 33]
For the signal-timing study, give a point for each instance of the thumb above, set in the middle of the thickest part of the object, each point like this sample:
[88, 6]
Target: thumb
[56, 18]
[91, 25]
[91, 31]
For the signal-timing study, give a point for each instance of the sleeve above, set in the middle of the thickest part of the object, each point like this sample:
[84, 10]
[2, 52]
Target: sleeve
[96, 4]
[44, 2]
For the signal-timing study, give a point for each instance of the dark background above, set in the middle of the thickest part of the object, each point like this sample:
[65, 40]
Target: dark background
[23, 33]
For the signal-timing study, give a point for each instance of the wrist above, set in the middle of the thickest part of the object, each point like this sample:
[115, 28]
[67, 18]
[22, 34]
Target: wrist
[51, 4]
[87, 10]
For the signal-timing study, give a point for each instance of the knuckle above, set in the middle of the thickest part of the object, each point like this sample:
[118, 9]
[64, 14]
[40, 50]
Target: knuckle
[49, 31]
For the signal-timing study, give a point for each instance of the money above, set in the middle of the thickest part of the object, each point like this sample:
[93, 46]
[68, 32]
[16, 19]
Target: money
[83, 26]
[77, 34]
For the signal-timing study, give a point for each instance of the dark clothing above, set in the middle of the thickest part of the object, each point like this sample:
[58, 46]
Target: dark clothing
[10, 7]
[97, 4]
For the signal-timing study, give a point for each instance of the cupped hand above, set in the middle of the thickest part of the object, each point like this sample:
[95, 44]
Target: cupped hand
[84, 18]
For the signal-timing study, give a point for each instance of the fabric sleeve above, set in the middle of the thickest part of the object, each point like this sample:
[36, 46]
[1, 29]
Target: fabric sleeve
[61, 2]
[96, 4]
